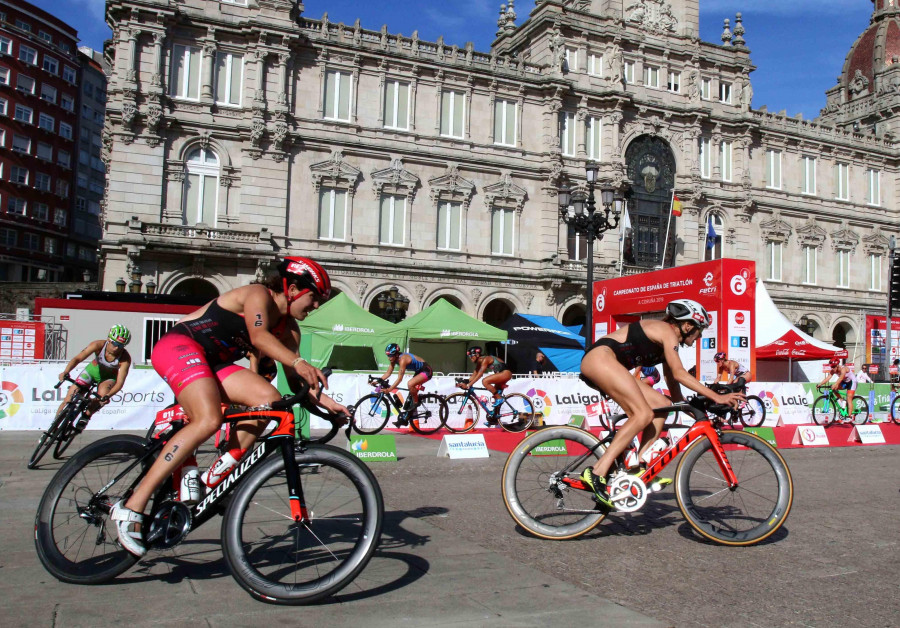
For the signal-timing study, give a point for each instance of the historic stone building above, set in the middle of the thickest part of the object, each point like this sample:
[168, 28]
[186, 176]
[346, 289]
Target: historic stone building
[241, 130]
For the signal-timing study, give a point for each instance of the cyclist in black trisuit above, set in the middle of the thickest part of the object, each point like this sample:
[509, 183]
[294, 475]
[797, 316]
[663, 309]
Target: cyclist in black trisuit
[494, 382]
[608, 364]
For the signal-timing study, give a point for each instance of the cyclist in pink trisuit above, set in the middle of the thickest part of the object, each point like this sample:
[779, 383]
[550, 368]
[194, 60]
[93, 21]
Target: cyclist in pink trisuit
[197, 359]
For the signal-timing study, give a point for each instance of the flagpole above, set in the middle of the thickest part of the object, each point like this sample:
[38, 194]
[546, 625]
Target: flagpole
[668, 225]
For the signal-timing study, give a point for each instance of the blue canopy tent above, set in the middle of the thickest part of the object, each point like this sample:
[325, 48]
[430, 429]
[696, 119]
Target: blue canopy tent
[529, 334]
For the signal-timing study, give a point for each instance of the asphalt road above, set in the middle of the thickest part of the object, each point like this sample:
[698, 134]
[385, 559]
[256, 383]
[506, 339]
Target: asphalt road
[451, 555]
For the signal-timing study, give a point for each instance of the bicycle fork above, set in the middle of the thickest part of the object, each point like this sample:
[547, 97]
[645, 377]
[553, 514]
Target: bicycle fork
[299, 513]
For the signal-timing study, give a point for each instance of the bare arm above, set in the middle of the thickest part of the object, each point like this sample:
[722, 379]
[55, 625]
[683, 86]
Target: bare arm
[482, 367]
[672, 363]
[402, 362]
[89, 350]
[124, 365]
[389, 371]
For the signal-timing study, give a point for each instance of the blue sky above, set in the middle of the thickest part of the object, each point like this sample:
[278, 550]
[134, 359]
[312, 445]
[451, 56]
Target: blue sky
[798, 46]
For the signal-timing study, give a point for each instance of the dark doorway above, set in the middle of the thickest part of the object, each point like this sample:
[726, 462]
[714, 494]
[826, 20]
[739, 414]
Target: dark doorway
[195, 287]
[497, 311]
[651, 170]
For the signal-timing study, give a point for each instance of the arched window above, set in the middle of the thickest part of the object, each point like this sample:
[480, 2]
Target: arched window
[201, 187]
[715, 228]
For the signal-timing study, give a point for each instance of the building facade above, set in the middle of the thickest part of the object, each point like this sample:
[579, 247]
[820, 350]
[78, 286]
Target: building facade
[238, 132]
[39, 100]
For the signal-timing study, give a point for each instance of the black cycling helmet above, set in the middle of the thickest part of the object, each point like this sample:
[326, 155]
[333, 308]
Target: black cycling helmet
[392, 350]
[307, 275]
[474, 351]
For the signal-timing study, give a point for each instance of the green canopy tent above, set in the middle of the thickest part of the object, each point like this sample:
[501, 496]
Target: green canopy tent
[441, 333]
[343, 335]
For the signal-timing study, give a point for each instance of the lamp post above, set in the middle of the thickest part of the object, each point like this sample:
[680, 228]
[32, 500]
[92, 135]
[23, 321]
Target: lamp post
[392, 305]
[580, 212]
[120, 285]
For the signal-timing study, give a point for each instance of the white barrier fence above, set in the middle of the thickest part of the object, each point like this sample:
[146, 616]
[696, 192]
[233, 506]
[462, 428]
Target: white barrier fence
[29, 401]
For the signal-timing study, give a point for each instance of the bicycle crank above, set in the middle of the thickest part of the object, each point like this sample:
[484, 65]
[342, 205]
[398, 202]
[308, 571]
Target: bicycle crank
[169, 526]
[628, 493]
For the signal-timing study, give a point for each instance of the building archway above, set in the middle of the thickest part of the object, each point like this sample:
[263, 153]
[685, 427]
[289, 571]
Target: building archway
[650, 166]
[574, 315]
[497, 311]
[452, 300]
[389, 304]
[195, 288]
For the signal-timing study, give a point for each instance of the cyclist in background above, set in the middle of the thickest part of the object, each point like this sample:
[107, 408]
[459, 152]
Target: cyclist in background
[733, 372]
[421, 374]
[607, 367]
[197, 359]
[495, 374]
[846, 380]
[108, 370]
[648, 374]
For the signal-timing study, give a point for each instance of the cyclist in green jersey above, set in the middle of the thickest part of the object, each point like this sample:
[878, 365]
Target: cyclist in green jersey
[108, 369]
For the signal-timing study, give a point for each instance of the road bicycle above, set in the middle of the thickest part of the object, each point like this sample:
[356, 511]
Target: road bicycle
[514, 413]
[371, 413]
[828, 406]
[297, 527]
[894, 414]
[68, 423]
[732, 487]
[750, 412]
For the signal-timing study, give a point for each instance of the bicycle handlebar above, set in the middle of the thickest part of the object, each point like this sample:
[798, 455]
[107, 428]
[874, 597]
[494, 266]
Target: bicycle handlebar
[302, 398]
[90, 389]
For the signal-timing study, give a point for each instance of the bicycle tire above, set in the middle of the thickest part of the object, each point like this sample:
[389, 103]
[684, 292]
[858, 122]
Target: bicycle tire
[721, 514]
[539, 507]
[371, 414]
[458, 405]
[429, 415]
[895, 410]
[346, 509]
[516, 413]
[74, 538]
[66, 434]
[823, 411]
[753, 412]
[49, 436]
[860, 414]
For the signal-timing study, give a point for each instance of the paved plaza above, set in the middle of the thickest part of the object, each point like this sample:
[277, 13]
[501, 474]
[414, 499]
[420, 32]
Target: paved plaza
[451, 555]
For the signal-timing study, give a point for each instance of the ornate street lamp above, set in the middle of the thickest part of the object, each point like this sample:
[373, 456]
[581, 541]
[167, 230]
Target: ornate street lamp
[151, 287]
[120, 285]
[579, 211]
[392, 305]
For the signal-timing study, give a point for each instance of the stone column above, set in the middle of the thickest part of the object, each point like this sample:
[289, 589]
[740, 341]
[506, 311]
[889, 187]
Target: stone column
[207, 72]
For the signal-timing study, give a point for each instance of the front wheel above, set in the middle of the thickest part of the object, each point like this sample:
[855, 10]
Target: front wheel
[752, 412]
[371, 414]
[429, 415]
[66, 435]
[516, 413]
[47, 438]
[75, 540]
[823, 411]
[281, 561]
[895, 410]
[541, 483]
[746, 514]
[463, 412]
[860, 411]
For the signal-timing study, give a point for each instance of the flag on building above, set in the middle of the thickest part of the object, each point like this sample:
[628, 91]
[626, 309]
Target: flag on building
[676, 205]
[711, 236]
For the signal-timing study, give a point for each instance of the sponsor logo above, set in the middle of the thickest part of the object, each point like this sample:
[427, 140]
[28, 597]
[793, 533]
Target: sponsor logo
[739, 318]
[780, 343]
[771, 401]
[738, 285]
[339, 328]
[800, 343]
[545, 330]
[375, 454]
[222, 488]
[600, 303]
[11, 399]
[708, 279]
[540, 400]
[446, 333]
[782, 352]
[298, 268]
[360, 445]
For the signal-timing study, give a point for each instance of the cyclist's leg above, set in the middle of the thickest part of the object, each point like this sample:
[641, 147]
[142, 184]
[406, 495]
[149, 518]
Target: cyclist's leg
[103, 389]
[415, 384]
[655, 399]
[247, 388]
[495, 382]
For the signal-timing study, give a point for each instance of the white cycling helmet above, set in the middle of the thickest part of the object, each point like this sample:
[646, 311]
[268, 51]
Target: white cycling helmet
[687, 310]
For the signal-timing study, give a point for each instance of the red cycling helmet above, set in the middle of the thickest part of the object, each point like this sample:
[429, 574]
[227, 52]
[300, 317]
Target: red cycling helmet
[834, 362]
[307, 275]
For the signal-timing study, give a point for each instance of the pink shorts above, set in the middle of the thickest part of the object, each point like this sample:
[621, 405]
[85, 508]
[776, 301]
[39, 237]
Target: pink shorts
[180, 360]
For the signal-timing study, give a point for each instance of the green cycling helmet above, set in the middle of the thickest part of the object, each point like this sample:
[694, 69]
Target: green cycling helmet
[119, 334]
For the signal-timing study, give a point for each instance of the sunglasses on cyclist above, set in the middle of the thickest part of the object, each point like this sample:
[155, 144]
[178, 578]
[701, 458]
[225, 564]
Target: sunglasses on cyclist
[116, 343]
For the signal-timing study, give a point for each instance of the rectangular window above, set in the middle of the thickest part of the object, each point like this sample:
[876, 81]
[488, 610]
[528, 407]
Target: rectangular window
[332, 214]
[4, 76]
[3, 107]
[706, 88]
[41, 211]
[674, 84]
[567, 133]
[23, 25]
[773, 261]
[18, 174]
[595, 65]
[155, 328]
[503, 223]
[594, 134]
[229, 73]
[808, 175]
[449, 226]
[393, 220]
[337, 95]
[49, 245]
[773, 169]
[25, 84]
[873, 187]
[572, 59]
[577, 245]
[45, 36]
[27, 55]
[875, 272]
[185, 81]
[8, 237]
[31, 241]
[67, 103]
[396, 105]
[843, 269]
[505, 122]
[59, 217]
[651, 76]
[629, 71]
[16, 206]
[5, 45]
[725, 92]
[63, 158]
[810, 265]
[62, 188]
[87, 112]
[452, 113]
[69, 74]
[2, 138]
[726, 161]
[842, 182]
[46, 122]
[80, 203]
[21, 144]
[705, 158]
[65, 130]
[51, 65]
[48, 93]
[42, 181]
[24, 114]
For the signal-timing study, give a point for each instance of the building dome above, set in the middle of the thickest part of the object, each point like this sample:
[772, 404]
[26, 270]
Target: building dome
[876, 50]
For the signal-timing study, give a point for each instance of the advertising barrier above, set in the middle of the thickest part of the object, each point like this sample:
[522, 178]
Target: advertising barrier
[29, 401]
